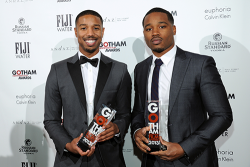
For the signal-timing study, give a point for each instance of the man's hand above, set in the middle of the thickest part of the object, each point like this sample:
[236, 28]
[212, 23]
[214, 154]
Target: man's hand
[110, 130]
[140, 138]
[174, 151]
[72, 147]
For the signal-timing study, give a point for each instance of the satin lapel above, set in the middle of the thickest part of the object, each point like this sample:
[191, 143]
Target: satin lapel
[103, 74]
[180, 67]
[143, 84]
[76, 75]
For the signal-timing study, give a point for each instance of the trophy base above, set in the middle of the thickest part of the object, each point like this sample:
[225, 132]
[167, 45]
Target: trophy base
[153, 148]
[83, 146]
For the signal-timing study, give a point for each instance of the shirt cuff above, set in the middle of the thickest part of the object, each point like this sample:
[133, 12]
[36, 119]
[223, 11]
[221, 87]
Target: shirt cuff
[135, 132]
[117, 135]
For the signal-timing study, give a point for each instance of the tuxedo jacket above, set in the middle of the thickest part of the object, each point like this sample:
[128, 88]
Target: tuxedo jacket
[198, 111]
[65, 96]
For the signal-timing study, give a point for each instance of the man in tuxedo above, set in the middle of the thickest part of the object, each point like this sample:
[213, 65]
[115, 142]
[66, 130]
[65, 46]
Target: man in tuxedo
[76, 88]
[193, 99]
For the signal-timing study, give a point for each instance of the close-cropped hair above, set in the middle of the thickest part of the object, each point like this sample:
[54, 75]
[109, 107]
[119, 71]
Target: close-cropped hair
[157, 9]
[88, 12]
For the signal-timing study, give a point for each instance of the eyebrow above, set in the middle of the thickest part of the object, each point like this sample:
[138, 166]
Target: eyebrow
[159, 22]
[94, 25]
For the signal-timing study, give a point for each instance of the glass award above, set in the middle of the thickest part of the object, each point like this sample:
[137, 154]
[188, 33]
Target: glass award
[154, 118]
[103, 117]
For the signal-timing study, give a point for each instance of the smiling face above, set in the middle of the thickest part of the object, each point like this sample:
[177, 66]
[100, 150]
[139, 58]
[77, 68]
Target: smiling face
[159, 33]
[89, 32]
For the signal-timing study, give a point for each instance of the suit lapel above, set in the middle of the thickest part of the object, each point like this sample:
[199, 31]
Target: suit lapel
[143, 86]
[76, 75]
[180, 67]
[103, 74]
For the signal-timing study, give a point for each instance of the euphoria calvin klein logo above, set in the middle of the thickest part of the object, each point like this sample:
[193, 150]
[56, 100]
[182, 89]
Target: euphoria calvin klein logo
[226, 156]
[21, 28]
[217, 13]
[64, 22]
[112, 46]
[27, 148]
[217, 36]
[23, 74]
[22, 49]
[218, 44]
[29, 164]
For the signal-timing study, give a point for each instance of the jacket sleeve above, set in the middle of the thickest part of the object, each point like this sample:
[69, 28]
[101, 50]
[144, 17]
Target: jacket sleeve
[216, 105]
[138, 121]
[123, 105]
[53, 113]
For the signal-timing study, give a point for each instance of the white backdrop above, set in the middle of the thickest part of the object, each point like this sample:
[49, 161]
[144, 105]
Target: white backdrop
[36, 33]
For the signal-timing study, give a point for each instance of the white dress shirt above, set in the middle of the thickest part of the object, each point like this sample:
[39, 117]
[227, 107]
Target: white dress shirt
[89, 76]
[165, 76]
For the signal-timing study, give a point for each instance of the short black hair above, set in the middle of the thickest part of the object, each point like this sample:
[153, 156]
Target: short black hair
[88, 12]
[157, 9]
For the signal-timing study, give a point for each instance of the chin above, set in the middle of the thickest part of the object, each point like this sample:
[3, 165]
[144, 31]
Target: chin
[158, 50]
[90, 50]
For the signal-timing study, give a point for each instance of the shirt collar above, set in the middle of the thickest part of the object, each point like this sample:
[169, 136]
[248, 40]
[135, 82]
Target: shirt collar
[98, 55]
[167, 57]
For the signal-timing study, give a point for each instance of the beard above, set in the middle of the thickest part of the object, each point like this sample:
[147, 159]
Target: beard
[88, 50]
[159, 50]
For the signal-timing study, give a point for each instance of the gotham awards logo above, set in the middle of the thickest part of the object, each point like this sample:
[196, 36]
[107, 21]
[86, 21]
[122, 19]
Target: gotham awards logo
[112, 46]
[218, 44]
[23, 74]
[22, 28]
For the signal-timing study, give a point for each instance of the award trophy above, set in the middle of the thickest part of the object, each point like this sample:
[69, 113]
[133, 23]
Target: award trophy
[154, 112]
[102, 118]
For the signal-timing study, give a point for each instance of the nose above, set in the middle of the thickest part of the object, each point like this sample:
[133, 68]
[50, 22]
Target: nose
[155, 32]
[90, 32]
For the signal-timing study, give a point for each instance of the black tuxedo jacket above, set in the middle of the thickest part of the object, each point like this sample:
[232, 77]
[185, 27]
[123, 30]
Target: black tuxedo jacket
[199, 110]
[65, 95]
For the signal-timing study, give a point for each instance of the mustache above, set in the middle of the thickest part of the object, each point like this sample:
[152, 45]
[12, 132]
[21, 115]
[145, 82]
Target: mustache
[89, 37]
[156, 37]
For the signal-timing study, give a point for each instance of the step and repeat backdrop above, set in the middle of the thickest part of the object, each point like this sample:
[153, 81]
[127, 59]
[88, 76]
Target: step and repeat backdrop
[36, 33]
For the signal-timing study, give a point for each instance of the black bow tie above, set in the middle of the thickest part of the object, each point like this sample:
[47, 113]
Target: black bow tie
[84, 59]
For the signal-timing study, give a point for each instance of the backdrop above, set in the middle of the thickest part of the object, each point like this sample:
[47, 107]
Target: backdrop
[36, 33]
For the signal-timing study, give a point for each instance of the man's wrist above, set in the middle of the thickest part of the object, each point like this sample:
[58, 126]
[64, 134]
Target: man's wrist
[135, 132]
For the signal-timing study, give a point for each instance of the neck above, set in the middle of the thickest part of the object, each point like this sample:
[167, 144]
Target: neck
[89, 55]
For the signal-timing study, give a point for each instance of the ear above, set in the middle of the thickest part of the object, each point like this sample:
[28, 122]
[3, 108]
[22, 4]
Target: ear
[75, 32]
[103, 31]
[174, 29]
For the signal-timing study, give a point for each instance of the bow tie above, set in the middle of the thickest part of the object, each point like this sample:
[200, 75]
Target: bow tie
[84, 59]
